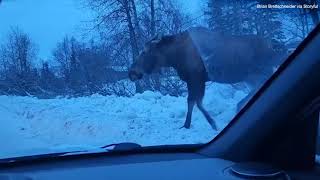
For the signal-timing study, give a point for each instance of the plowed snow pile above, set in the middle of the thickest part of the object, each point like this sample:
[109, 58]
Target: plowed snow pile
[29, 124]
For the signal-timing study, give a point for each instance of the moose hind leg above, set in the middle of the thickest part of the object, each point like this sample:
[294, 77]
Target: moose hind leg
[187, 123]
[206, 115]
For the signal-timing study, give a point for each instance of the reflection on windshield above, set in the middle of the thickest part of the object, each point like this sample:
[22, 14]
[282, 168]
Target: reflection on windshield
[150, 72]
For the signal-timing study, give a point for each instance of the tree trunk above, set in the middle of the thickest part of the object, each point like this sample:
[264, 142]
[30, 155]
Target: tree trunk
[314, 13]
[136, 24]
[133, 41]
[304, 22]
[156, 76]
[153, 23]
[133, 38]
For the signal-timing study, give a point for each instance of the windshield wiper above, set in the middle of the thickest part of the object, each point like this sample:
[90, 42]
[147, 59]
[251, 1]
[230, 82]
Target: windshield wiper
[116, 147]
[127, 146]
[122, 146]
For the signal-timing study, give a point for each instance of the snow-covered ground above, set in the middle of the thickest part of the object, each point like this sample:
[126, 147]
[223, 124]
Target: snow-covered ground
[31, 125]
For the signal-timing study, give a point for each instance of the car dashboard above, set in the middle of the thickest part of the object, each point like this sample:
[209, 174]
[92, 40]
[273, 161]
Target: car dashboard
[145, 166]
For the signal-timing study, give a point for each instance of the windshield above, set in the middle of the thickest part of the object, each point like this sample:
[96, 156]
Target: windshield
[84, 74]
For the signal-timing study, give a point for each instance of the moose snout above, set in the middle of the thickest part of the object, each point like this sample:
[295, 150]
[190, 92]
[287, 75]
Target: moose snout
[135, 75]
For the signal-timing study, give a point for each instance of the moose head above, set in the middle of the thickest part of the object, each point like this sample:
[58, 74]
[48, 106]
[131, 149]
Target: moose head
[148, 61]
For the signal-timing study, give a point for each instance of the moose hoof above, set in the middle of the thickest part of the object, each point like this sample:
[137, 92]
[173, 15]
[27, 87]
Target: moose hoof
[185, 126]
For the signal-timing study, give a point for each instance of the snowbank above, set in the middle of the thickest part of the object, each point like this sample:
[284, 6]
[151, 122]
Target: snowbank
[28, 123]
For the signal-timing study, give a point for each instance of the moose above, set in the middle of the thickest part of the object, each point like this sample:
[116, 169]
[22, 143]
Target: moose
[200, 55]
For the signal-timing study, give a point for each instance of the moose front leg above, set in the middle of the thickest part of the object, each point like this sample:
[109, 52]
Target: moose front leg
[193, 94]
[191, 104]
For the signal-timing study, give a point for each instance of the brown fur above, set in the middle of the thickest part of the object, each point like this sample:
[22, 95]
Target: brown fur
[228, 60]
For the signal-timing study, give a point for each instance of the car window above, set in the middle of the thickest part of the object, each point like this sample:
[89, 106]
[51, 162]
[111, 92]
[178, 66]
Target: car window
[79, 75]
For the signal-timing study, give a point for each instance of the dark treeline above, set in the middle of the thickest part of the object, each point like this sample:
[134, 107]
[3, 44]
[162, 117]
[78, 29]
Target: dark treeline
[119, 30]
[78, 68]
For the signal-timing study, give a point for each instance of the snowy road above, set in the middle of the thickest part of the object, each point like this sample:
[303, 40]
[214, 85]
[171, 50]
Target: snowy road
[29, 124]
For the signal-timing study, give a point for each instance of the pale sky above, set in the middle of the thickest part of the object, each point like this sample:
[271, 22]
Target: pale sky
[48, 21]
